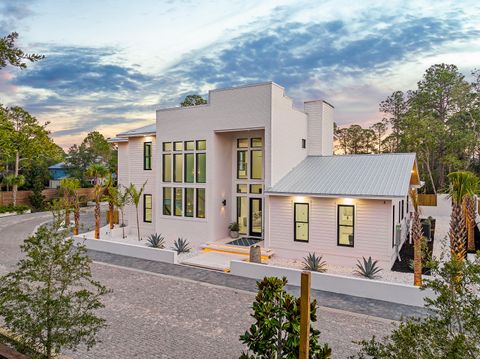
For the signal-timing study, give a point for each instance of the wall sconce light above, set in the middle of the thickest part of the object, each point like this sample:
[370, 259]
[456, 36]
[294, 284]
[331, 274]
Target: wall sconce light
[224, 202]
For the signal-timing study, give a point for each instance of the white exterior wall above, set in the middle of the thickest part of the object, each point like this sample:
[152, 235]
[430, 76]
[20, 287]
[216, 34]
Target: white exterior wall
[372, 231]
[123, 173]
[138, 176]
[320, 128]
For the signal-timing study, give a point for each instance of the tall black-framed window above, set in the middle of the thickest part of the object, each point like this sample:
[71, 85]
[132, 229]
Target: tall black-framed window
[147, 208]
[147, 155]
[346, 225]
[304, 143]
[200, 201]
[301, 222]
[189, 201]
[403, 208]
[393, 226]
[167, 201]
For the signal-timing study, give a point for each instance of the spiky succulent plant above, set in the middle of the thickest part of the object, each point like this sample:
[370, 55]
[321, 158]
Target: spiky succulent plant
[314, 263]
[181, 246]
[156, 240]
[368, 269]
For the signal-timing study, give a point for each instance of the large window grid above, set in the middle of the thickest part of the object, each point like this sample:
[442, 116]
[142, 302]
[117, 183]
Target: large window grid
[147, 208]
[147, 156]
[301, 222]
[184, 166]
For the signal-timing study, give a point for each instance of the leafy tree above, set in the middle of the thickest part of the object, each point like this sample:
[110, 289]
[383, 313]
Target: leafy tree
[50, 301]
[11, 54]
[276, 331]
[193, 100]
[121, 198]
[452, 328]
[417, 235]
[71, 198]
[23, 139]
[111, 197]
[94, 149]
[395, 108]
[135, 196]
[379, 130]
[98, 172]
[14, 182]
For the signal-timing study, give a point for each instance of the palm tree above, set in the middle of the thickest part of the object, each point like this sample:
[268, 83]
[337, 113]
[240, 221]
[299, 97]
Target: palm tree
[461, 186]
[97, 172]
[110, 196]
[70, 186]
[135, 195]
[14, 181]
[470, 211]
[417, 235]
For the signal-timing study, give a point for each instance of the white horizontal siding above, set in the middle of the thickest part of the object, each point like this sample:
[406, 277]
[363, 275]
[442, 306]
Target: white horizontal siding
[372, 230]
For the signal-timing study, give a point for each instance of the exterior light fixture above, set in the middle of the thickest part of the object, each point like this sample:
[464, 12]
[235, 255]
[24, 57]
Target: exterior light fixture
[224, 202]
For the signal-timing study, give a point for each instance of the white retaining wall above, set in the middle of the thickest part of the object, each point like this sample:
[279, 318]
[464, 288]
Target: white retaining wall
[366, 288]
[442, 209]
[124, 249]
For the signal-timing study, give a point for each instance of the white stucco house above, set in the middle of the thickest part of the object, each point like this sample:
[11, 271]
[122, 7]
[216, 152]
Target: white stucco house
[249, 156]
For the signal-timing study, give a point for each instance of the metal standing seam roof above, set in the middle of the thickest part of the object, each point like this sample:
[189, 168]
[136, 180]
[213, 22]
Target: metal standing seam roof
[374, 175]
[139, 131]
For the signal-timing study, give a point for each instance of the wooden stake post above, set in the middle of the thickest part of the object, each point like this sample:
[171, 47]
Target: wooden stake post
[304, 315]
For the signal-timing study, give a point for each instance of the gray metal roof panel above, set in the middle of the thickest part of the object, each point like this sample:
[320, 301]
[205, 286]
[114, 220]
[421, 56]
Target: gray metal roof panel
[375, 175]
[139, 131]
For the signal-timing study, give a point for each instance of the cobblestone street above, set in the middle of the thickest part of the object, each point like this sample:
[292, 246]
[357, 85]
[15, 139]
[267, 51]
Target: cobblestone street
[154, 315]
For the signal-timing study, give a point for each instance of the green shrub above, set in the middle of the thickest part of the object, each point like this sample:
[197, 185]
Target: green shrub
[19, 208]
[37, 200]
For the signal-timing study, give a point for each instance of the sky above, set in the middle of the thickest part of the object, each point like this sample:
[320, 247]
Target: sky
[111, 63]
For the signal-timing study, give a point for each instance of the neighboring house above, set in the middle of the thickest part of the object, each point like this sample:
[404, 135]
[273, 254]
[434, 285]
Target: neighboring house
[58, 172]
[249, 156]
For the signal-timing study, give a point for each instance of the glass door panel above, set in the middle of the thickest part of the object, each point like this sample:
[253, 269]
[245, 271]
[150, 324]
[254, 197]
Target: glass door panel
[256, 217]
[242, 214]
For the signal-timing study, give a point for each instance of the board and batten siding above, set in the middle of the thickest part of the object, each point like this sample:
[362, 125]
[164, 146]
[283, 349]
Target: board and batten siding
[372, 230]
[138, 176]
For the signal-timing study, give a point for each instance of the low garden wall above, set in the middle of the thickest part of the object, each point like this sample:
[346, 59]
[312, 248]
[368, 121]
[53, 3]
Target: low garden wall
[49, 193]
[359, 287]
[130, 250]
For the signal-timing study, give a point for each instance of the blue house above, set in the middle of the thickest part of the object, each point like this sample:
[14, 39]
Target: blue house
[57, 171]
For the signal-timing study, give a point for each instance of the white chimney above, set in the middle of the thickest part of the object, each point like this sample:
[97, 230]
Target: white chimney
[319, 127]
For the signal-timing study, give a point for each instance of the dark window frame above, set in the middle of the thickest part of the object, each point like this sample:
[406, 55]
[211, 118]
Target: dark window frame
[174, 168]
[198, 142]
[148, 156]
[197, 190]
[393, 226]
[170, 189]
[343, 225]
[174, 200]
[163, 167]
[304, 143]
[145, 208]
[238, 162]
[185, 167]
[197, 167]
[185, 202]
[295, 222]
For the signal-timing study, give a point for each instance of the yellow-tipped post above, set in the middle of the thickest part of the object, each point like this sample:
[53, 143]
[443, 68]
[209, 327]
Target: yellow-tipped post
[305, 315]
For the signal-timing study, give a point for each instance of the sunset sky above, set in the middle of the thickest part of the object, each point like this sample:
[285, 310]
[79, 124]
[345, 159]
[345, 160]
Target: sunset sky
[110, 63]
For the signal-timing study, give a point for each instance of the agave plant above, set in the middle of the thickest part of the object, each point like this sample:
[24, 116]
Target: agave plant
[156, 241]
[314, 263]
[368, 269]
[181, 246]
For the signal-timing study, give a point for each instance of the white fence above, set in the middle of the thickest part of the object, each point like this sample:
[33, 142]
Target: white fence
[124, 249]
[373, 289]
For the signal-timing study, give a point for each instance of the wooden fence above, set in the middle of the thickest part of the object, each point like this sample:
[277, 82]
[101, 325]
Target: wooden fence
[49, 193]
[427, 200]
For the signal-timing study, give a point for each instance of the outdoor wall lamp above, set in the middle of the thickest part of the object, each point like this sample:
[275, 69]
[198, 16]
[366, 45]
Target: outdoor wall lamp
[224, 202]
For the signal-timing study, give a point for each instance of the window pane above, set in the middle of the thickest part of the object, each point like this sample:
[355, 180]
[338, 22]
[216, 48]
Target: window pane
[167, 201]
[241, 164]
[147, 155]
[167, 146]
[201, 145]
[242, 214]
[167, 168]
[256, 188]
[147, 208]
[178, 146]
[241, 188]
[178, 201]
[345, 215]
[189, 145]
[201, 167]
[188, 202]
[189, 167]
[301, 231]
[177, 164]
[256, 142]
[345, 235]
[301, 212]
[242, 143]
[201, 202]
[257, 164]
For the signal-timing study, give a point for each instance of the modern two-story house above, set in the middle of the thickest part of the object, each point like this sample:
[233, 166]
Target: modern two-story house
[249, 156]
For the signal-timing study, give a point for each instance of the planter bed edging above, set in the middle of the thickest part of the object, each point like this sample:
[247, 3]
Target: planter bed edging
[359, 287]
[130, 250]
[8, 214]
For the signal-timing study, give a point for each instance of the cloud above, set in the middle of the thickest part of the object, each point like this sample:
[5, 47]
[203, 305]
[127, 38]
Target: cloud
[12, 12]
[80, 70]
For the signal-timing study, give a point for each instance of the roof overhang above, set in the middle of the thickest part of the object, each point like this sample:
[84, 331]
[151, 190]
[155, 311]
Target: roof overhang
[331, 195]
[117, 140]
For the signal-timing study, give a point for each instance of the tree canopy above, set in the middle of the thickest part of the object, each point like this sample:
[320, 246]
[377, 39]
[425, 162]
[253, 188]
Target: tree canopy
[11, 54]
[193, 100]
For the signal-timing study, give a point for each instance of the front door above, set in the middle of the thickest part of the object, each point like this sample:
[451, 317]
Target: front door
[255, 219]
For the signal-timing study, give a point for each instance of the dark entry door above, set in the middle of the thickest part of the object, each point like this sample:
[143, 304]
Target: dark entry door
[255, 217]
